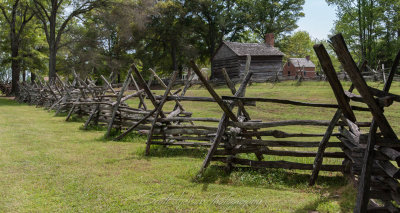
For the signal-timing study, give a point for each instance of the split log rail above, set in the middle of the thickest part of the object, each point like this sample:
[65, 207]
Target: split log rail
[371, 159]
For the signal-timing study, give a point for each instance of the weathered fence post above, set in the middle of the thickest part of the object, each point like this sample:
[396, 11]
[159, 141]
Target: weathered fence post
[115, 107]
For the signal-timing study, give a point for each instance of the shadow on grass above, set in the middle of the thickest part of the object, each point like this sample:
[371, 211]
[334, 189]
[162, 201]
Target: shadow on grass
[60, 114]
[155, 150]
[77, 118]
[9, 101]
[133, 137]
[336, 193]
[333, 199]
[96, 128]
[313, 206]
[165, 152]
[265, 177]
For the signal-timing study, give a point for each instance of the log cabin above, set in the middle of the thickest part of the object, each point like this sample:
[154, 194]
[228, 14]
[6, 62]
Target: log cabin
[266, 60]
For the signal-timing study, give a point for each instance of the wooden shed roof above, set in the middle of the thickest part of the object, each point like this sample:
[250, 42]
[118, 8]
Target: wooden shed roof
[253, 49]
[301, 62]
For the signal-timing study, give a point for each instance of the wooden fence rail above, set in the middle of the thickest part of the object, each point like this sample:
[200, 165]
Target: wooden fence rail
[372, 159]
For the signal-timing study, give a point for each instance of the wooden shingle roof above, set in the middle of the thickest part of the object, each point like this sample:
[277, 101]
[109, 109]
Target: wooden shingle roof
[253, 49]
[301, 62]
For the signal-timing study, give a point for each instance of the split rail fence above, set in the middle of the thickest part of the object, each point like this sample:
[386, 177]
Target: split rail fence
[371, 158]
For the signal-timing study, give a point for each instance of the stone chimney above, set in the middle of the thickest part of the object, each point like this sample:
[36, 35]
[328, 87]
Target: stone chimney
[308, 58]
[269, 39]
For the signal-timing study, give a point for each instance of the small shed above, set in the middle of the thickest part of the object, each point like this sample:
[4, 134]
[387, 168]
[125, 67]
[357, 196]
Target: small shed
[296, 67]
[266, 60]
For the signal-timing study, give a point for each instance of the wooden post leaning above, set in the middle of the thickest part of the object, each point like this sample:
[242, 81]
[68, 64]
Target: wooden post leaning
[342, 101]
[159, 110]
[142, 84]
[379, 119]
[115, 107]
[351, 139]
[228, 114]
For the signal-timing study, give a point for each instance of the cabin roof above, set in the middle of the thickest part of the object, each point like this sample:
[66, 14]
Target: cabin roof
[253, 49]
[301, 62]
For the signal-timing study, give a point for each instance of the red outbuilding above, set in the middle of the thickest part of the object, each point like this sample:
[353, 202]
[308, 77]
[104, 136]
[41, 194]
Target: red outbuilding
[296, 67]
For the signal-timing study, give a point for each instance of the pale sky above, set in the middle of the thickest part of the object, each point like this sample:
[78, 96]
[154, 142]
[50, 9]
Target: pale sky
[318, 20]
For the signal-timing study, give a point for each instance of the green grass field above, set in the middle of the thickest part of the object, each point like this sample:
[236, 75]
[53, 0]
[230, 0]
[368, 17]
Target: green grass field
[47, 164]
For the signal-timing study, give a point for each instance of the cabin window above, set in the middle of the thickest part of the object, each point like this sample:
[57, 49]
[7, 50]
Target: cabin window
[288, 72]
[305, 73]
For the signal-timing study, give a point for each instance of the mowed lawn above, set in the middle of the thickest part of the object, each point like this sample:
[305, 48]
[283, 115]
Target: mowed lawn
[47, 164]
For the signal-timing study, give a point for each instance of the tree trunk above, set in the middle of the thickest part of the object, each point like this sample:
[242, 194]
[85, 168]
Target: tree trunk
[15, 61]
[52, 43]
[212, 45]
[173, 55]
[33, 77]
[361, 30]
[174, 60]
[15, 65]
[52, 63]
[13, 19]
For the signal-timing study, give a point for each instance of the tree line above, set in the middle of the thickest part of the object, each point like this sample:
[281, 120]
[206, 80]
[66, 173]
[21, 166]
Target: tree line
[371, 28]
[94, 37]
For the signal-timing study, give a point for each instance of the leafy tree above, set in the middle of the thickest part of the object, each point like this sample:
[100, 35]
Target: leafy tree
[17, 14]
[297, 45]
[271, 16]
[213, 21]
[164, 34]
[300, 45]
[34, 51]
[370, 28]
[107, 39]
[386, 47]
[240, 20]
[169, 37]
[50, 12]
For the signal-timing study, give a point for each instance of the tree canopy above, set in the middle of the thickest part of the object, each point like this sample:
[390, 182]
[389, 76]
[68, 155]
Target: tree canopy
[94, 37]
[371, 27]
